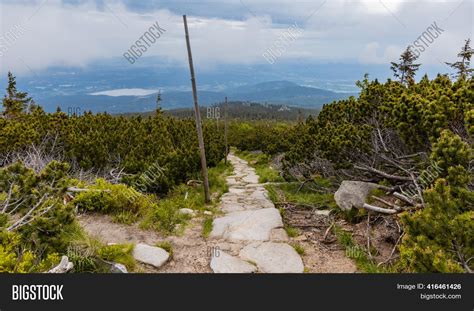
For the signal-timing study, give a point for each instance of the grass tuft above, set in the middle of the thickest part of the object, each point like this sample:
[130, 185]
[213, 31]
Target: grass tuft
[207, 227]
[166, 246]
[299, 249]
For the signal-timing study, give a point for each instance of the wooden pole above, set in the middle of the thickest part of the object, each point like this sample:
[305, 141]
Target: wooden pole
[225, 131]
[198, 117]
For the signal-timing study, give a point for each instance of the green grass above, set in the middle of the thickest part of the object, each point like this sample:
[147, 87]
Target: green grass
[125, 217]
[261, 163]
[356, 252]
[289, 193]
[166, 246]
[89, 255]
[217, 175]
[292, 232]
[120, 253]
[165, 216]
[299, 249]
[207, 227]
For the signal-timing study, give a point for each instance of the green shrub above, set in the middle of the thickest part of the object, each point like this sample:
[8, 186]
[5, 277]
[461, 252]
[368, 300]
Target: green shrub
[165, 216]
[83, 259]
[110, 198]
[439, 237]
[120, 253]
[45, 190]
[16, 258]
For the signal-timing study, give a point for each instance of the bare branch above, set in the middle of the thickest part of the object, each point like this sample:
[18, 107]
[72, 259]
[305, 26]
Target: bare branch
[394, 206]
[381, 173]
[403, 198]
[23, 220]
[378, 209]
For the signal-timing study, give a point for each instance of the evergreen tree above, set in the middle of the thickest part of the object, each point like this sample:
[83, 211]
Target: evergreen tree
[405, 70]
[462, 66]
[14, 102]
[158, 103]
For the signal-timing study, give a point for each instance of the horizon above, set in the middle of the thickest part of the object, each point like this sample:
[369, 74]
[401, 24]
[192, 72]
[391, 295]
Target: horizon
[123, 47]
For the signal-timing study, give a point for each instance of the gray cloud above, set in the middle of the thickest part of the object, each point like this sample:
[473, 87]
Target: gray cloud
[75, 33]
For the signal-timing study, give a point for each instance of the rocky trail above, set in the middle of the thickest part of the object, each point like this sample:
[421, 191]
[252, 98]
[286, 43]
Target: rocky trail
[247, 237]
[250, 236]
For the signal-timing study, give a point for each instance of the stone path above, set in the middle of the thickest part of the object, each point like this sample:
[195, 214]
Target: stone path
[249, 237]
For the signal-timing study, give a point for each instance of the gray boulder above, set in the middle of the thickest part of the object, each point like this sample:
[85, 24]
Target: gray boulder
[353, 194]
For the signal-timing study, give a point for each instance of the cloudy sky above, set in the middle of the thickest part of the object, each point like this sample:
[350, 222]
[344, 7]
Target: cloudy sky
[39, 34]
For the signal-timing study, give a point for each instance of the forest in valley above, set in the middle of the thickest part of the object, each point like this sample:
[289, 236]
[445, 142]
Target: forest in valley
[393, 168]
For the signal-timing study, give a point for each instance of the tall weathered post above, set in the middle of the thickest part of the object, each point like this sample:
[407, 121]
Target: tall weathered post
[198, 117]
[225, 131]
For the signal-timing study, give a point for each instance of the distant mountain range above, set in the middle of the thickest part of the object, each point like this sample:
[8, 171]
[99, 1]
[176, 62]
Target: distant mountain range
[240, 110]
[273, 92]
[313, 83]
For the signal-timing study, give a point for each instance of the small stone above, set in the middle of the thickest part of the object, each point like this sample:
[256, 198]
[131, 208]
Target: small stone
[237, 190]
[300, 238]
[259, 195]
[118, 268]
[186, 211]
[208, 213]
[251, 178]
[324, 212]
[150, 255]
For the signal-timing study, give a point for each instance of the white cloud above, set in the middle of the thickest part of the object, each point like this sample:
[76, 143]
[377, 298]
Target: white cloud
[368, 31]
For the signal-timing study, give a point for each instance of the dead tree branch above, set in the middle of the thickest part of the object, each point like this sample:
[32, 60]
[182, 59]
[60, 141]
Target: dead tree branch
[378, 209]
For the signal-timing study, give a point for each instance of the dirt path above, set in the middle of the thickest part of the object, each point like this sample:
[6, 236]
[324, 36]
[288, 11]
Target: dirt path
[190, 250]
